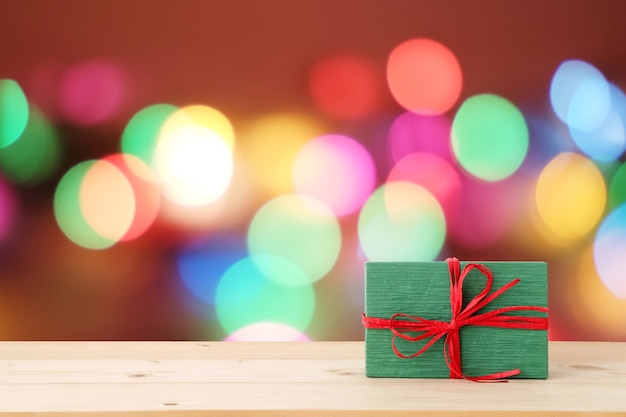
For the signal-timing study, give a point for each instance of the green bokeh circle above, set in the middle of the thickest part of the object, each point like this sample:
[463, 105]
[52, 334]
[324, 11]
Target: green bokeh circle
[245, 295]
[300, 230]
[13, 112]
[489, 137]
[402, 221]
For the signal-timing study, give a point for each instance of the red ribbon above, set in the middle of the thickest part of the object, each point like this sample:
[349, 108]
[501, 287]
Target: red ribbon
[404, 325]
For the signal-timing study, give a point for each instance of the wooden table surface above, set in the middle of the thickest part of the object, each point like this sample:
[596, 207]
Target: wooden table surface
[286, 379]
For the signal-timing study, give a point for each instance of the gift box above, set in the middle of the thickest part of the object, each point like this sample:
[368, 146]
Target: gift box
[456, 320]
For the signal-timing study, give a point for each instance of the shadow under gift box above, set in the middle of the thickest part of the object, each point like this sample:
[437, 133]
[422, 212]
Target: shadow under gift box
[422, 289]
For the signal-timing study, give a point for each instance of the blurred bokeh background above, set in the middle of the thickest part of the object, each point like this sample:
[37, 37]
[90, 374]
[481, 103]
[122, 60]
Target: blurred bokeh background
[185, 170]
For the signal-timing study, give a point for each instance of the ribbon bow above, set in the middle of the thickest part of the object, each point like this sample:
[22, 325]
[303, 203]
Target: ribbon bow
[405, 326]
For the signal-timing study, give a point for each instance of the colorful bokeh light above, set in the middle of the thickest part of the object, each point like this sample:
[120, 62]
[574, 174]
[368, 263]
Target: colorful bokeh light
[272, 143]
[595, 307]
[401, 221]
[36, 155]
[245, 295]
[202, 264]
[231, 210]
[8, 209]
[607, 141]
[69, 213]
[145, 189]
[91, 91]
[489, 137]
[609, 248]
[346, 86]
[193, 164]
[411, 133]
[580, 95]
[107, 200]
[141, 134]
[434, 174]
[617, 188]
[13, 112]
[547, 139]
[484, 213]
[424, 76]
[99, 203]
[267, 332]
[336, 170]
[296, 232]
[203, 116]
[570, 195]
[184, 223]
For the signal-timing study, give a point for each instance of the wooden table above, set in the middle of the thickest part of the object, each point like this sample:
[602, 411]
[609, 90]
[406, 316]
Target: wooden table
[286, 379]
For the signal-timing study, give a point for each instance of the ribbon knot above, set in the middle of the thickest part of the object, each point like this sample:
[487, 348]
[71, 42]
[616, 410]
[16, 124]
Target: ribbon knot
[453, 325]
[414, 328]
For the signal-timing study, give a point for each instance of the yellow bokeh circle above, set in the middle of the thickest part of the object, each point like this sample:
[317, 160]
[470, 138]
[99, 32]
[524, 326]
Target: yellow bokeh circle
[570, 195]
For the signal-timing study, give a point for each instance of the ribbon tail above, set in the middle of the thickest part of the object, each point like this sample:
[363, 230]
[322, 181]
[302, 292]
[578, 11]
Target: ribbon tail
[495, 377]
[452, 353]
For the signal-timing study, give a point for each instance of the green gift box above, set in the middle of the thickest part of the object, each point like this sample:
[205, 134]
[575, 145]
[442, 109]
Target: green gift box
[408, 304]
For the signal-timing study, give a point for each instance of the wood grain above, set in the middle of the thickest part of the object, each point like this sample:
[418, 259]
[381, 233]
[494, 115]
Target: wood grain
[284, 379]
